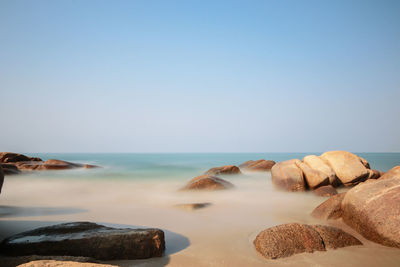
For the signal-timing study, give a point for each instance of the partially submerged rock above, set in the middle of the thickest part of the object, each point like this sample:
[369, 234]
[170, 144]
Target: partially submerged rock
[193, 206]
[325, 191]
[347, 166]
[257, 165]
[373, 210]
[288, 176]
[392, 173]
[314, 178]
[10, 168]
[54, 263]
[228, 169]
[88, 240]
[330, 209]
[288, 239]
[7, 157]
[207, 182]
[316, 163]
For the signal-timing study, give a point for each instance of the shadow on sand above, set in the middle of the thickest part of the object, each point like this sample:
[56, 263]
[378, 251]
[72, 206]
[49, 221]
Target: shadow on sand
[174, 242]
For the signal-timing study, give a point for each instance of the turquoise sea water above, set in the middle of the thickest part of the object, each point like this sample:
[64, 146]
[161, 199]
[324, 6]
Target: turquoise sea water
[181, 165]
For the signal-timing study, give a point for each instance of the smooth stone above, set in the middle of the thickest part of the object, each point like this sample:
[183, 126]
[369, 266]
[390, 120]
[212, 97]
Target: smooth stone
[329, 209]
[392, 173]
[224, 170]
[313, 178]
[257, 165]
[207, 182]
[88, 240]
[325, 191]
[316, 163]
[288, 176]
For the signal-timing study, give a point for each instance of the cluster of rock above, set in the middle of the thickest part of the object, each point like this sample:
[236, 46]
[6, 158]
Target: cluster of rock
[85, 239]
[332, 169]
[13, 163]
[288, 239]
[371, 208]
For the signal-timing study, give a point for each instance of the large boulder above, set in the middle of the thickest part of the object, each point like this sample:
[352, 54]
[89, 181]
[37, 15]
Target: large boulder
[373, 210]
[347, 166]
[228, 169]
[6, 157]
[330, 209]
[392, 173]
[325, 191]
[293, 238]
[88, 240]
[207, 182]
[257, 165]
[314, 178]
[288, 176]
[316, 163]
[1, 178]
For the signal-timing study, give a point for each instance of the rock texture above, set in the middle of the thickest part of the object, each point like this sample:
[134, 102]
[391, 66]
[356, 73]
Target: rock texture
[8, 157]
[288, 239]
[373, 174]
[288, 176]
[54, 263]
[330, 209]
[314, 178]
[88, 240]
[228, 169]
[347, 166]
[316, 163]
[257, 165]
[373, 210]
[392, 173]
[207, 182]
[325, 191]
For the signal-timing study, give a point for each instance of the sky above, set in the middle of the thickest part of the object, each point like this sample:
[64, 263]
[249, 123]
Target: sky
[199, 76]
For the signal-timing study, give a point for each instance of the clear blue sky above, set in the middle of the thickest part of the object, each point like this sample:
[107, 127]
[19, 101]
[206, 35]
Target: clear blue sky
[199, 76]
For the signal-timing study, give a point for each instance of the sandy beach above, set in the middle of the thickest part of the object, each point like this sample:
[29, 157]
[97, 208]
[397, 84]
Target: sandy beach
[218, 235]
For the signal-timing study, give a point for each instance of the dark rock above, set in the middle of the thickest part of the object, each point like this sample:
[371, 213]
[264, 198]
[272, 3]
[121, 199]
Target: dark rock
[325, 191]
[207, 182]
[373, 210]
[288, 176]
[10, 169]
[373, 174]
[228, 169]
[330, 209]
[88, 240]
[6, 157]
[288, 239]
[257, 165]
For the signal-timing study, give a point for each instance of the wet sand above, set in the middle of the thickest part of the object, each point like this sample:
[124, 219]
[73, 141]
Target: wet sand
[218, 235]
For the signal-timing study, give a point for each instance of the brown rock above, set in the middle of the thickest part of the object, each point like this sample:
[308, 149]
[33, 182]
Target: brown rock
[288, 176]
[88, 240]
[314, 178]
[288, 239]
[373, 174]
[392, 173]
[373, 210]
[207, 182]
[330, 209]
[193, 206]
[258, 165]
[6, 157]
[347, 166]
[53, 263]
[10, 168]
[316, 163]
[325, 191]
[364, 162]
[228, 169]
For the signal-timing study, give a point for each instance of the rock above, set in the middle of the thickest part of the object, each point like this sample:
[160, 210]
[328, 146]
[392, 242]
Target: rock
[88, 240]
[325, 191]
[392, 173]
[288, 239]
[314, 178]
[10, 169]
[6, 157]
[1, 177]
[373, 174]
[364, 162]
[316, 163]
[330, 209]
[373, 210]
[53, 263]
[193, 206]
[347, 166]
[258, 165]
[207, 182]
[16, 261]
[288, 176]
[228, 169]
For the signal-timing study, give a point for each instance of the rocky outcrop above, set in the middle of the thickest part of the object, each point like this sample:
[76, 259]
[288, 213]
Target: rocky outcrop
[392, 173]
[257, 165]
[325, 191]
[314, 178]
[288, 176]
[330, 209]
[7, 157]
[207, 182]
[373, 210]
[10, 168]
[288, 239]
[223, 170]
[316, 163]
[54, 263]
[193, 206]
[88, 240]
[347, 166]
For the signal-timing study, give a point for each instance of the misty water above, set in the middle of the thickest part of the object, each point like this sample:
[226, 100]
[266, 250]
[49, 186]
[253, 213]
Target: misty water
[141, 190]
